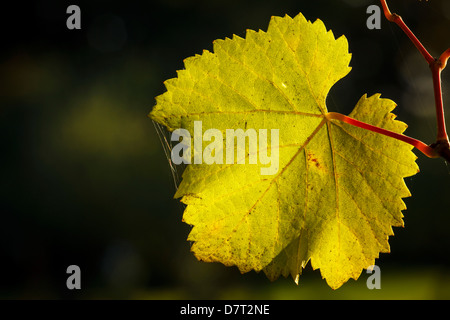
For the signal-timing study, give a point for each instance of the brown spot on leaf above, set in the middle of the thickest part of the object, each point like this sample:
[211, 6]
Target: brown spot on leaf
[313, 160]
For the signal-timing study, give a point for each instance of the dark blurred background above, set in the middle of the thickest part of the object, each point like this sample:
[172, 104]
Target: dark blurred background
[83, 175]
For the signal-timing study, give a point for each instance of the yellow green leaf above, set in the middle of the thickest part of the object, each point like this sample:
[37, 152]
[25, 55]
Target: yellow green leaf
[337, 190]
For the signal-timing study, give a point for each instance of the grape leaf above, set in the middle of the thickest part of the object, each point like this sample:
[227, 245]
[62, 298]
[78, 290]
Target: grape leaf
[338, 190]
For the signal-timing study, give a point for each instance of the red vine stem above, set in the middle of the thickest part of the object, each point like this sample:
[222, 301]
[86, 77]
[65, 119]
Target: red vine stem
[393, 17]
[436, 66]
[436, 69]
[441, 148]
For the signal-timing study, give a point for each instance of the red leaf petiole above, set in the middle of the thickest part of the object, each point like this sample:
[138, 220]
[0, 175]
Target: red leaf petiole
[425, 149]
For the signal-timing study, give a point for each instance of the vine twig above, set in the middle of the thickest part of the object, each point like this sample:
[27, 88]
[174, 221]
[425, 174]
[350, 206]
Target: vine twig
[442, 145]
